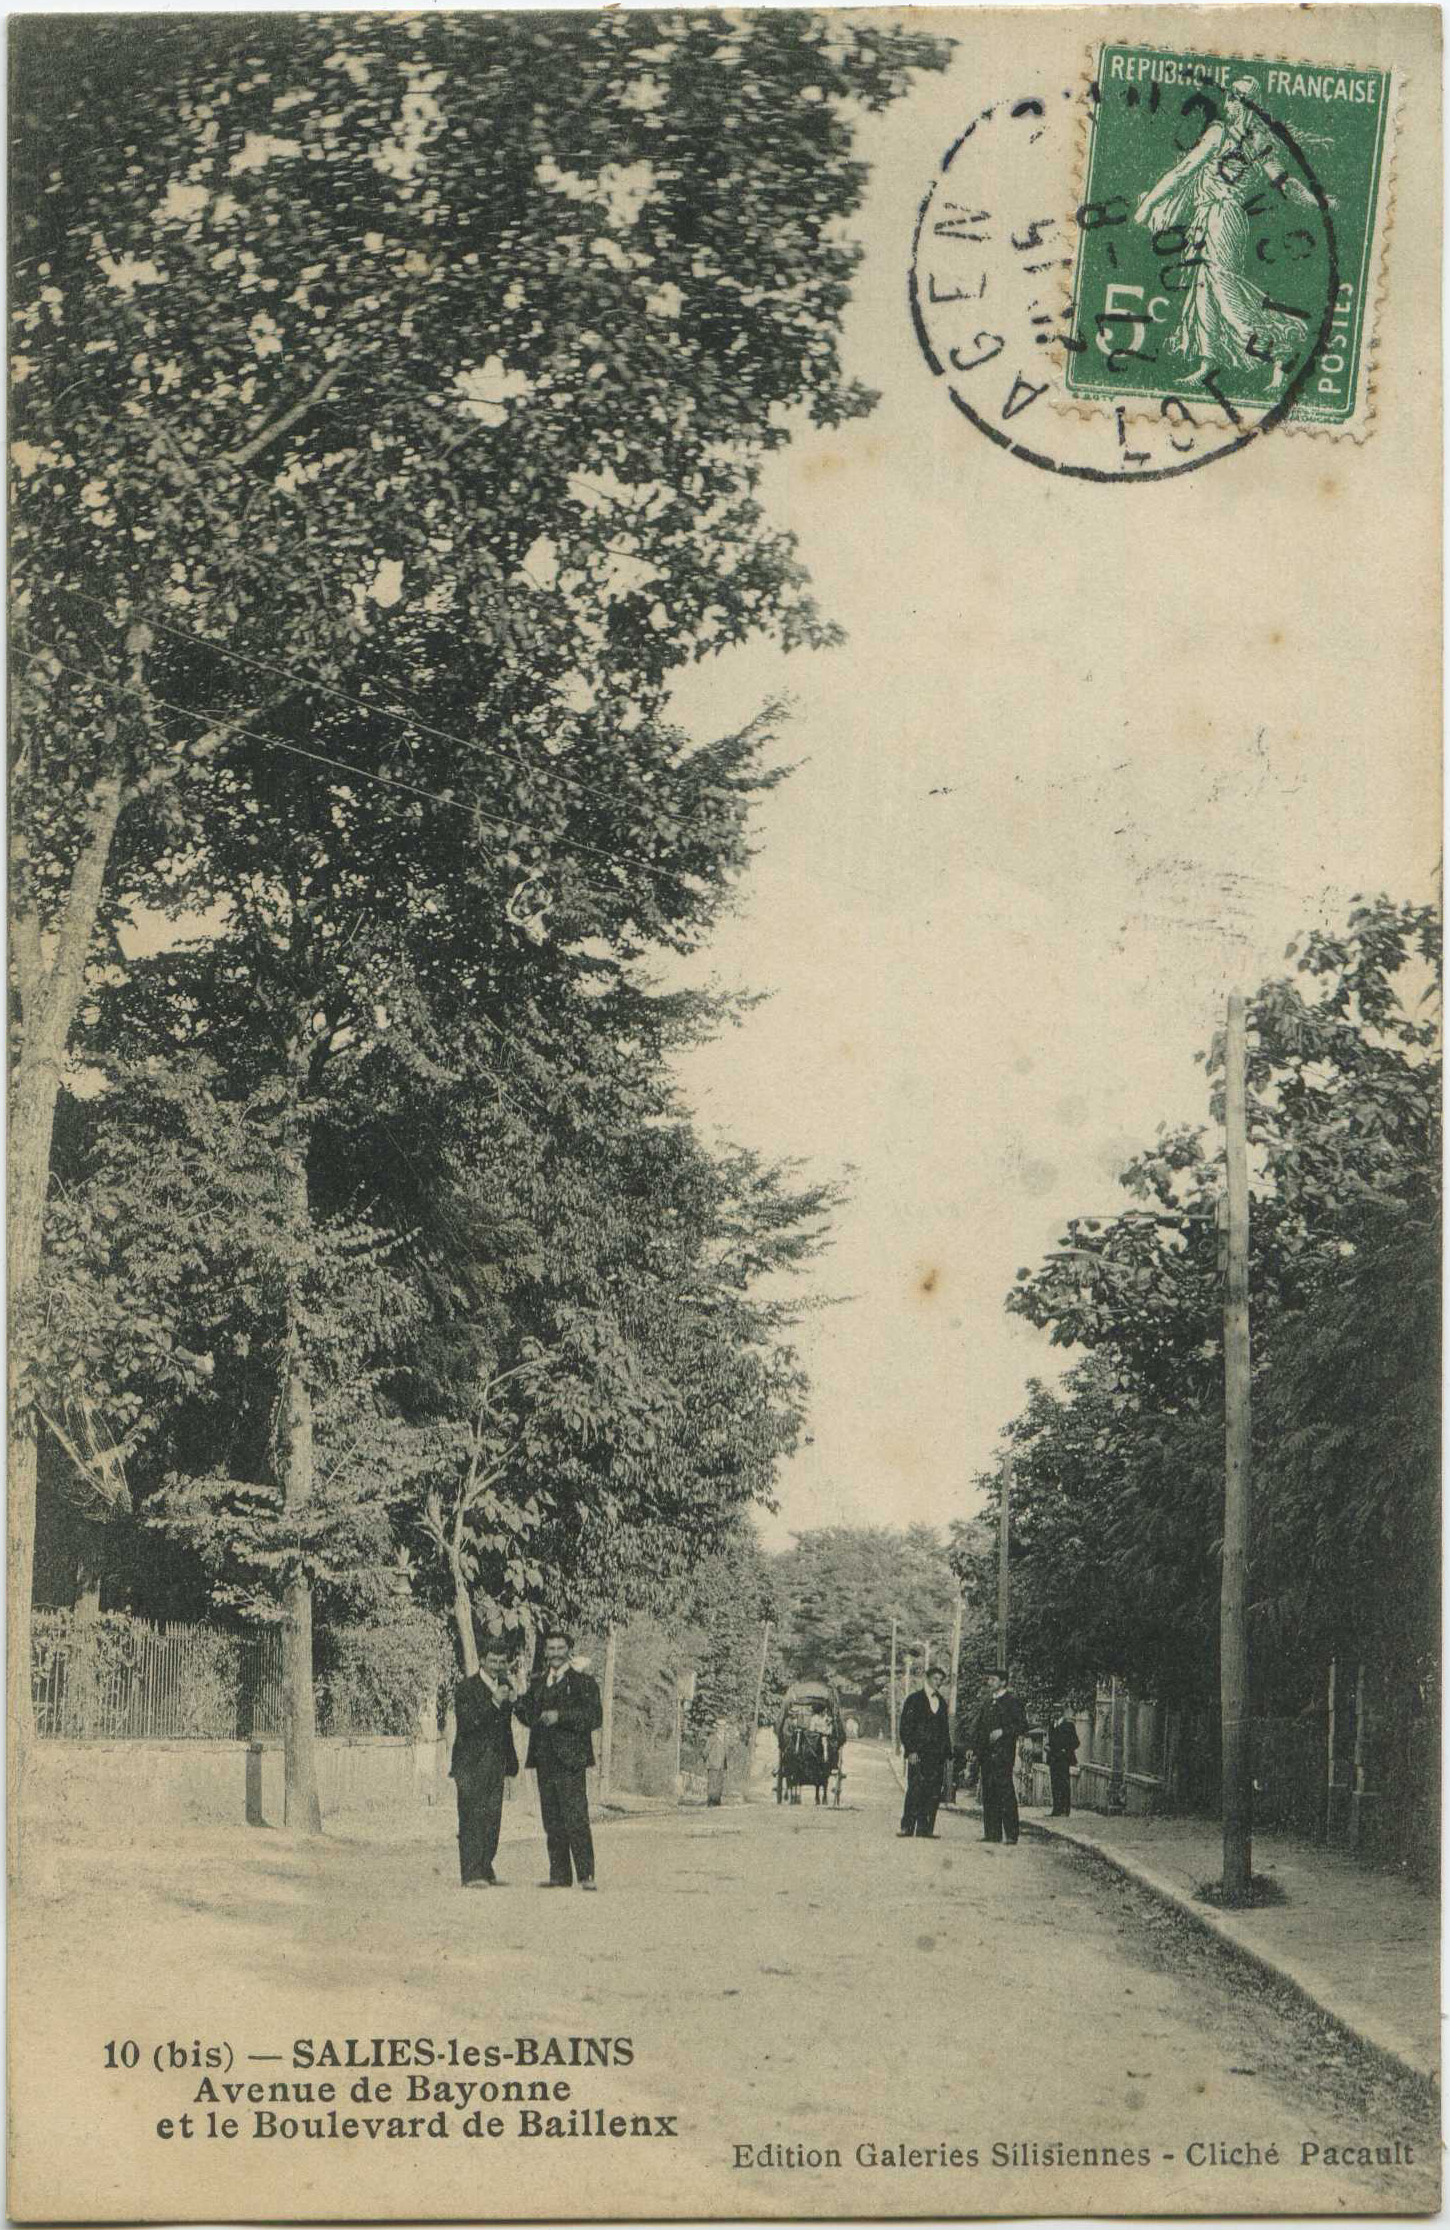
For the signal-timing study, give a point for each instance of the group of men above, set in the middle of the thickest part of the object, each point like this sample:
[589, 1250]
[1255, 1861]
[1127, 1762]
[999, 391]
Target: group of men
[561, 1706]
[926, 1740]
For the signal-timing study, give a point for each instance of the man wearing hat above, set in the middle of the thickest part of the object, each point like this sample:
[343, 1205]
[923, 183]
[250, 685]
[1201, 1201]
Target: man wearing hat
[483, 1758]
[562, 1709]
[1001, 1723]
[926, 1738]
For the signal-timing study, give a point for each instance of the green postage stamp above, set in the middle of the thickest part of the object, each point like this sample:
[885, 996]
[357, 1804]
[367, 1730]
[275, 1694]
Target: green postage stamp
[1229, 235]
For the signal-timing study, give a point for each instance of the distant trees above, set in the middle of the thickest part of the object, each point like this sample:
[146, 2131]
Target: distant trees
[841, 1588]
[1119, 1470]
[390, 400]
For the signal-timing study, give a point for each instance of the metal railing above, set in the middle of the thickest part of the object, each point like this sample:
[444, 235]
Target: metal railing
[110, 1677]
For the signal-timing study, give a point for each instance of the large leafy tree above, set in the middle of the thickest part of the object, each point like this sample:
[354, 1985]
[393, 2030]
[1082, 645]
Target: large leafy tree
[389, 407]
[844, 1588]
[1118, 1514]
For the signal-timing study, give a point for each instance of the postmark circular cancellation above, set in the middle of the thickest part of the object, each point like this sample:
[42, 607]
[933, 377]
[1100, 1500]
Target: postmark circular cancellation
[1138, 275]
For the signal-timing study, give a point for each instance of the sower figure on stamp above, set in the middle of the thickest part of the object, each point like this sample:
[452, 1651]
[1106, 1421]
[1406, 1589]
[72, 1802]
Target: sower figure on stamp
[926, 1738]
[1061, 1752]
[562, 1709]
[484, 1758]
[1001, 1723]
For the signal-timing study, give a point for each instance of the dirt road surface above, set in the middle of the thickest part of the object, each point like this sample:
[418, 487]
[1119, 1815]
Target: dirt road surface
[808, 2003]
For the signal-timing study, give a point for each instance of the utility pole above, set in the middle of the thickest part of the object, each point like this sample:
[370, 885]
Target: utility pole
[1003, 1535]
[952, 1678]
[755, 1715]
[1237, 1477]
[893, 1683]
[606, 1730]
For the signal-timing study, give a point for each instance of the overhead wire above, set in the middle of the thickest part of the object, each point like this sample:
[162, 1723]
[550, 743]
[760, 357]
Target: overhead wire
[220, 720]
[373, 708]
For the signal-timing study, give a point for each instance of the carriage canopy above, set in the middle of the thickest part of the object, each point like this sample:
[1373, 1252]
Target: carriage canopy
[805, 1696]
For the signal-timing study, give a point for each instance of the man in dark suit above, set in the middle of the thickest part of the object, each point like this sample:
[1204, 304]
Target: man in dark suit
[484, 1758]
[1061, 1751]
[926, 1739]
[1001, 1723]
[562, 1709]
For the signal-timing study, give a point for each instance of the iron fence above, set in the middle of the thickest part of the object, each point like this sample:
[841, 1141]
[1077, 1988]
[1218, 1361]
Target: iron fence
[111, 1678]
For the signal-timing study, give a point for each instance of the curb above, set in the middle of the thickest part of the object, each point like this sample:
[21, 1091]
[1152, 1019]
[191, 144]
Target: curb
[1358, 2022]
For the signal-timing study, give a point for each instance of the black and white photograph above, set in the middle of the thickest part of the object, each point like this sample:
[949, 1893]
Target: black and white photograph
[724, 1113]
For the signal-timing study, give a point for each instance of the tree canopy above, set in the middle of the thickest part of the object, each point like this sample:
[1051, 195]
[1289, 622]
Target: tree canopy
[842, 1587]
[390, 403]
[1117, 1507]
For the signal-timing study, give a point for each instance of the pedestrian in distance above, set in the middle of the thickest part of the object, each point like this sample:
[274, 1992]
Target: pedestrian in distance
[1061, 1754]
[1001, 1723]
[562, 1709]
[926, 1739]
[717, 1760]
[483, 1758]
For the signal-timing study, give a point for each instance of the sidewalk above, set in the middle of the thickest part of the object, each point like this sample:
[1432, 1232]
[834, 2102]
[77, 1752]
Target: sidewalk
[1360, 1945]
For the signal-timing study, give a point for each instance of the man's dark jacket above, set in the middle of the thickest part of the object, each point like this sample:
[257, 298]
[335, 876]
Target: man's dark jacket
[1061, 1742]
[483, 1740]
[1004, 1711]
[567, 1747]
[925, 1733]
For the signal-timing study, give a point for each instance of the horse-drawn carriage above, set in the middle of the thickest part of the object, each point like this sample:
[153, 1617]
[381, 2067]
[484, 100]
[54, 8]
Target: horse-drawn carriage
[810, 1735]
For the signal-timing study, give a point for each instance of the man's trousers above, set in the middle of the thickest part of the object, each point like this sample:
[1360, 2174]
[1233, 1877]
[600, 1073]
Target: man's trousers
[1060, 1774]
[923, 1795]
[564, 1806]
[999, 1804]
[480, 1814]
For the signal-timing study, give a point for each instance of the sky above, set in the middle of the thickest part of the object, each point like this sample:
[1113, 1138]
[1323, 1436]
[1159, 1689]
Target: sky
[1088, 758]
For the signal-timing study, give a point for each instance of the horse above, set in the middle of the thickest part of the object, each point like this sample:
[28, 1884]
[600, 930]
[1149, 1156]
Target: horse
[808, 1759]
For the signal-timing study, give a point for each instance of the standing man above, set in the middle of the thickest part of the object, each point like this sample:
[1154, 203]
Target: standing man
[1061, 1753]
[483, 1758]
[562, 1709]
[927, 1740]
[1001, 1723]
[717, 1760]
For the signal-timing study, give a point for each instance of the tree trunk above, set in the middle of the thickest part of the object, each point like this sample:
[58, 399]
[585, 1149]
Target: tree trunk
[300, 1806]
[50, 998]
[463, 1619]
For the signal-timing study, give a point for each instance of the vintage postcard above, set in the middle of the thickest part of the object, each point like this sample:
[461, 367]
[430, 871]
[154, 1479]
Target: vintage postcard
[724, 1131]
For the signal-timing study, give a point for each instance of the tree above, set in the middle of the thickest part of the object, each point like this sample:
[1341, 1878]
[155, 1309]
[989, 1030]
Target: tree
[370, 493]
[1118, 1505]
[844, 1586]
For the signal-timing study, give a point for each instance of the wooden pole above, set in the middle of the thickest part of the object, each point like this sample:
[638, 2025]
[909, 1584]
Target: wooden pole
[755, 1714]
[1237, 1478]
[953, 1676]
[606, 1729]
[893, 1683]
[1329, 1757]
[1003, 1536]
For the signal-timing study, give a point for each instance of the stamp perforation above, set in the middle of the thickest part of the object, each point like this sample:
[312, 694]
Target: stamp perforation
[1358, 427]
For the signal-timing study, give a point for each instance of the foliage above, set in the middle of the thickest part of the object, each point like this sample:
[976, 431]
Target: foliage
[842, 1586]
[1117, 1503]
[363, 517]
[403, 359]
[108, 1675]
[380, 1679]
[731, 1596]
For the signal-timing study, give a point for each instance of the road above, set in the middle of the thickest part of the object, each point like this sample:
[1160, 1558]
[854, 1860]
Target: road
[806, 1999]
